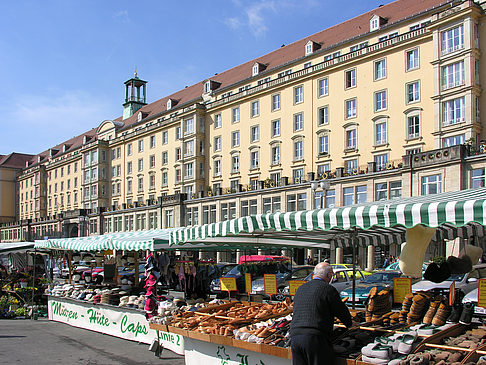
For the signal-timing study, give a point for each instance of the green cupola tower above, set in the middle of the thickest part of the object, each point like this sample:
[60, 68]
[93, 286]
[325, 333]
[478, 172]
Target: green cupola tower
[135, 95]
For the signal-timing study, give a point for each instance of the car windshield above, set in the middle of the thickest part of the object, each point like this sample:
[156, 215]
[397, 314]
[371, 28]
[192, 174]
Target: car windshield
[456, 277]
[234, 271]
[380, 277]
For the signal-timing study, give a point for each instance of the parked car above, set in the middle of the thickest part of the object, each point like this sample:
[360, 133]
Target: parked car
[380, 279]
[349, 266]
[472, 297]
[466, 282]
[295, 273]
[395, 267]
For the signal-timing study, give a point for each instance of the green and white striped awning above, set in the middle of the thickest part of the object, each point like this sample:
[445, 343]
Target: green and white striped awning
[15, 247]
[455, 214]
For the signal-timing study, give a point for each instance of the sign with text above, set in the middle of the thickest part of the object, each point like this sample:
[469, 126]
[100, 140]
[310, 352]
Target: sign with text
[248, 283]
[270, 281]
[118, 322]
[228, 284]
[482, 293]
[294, 285]
[401, 287]
[452, 293]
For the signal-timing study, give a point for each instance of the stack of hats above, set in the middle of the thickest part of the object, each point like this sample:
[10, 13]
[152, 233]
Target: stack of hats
[379, 303]
[406, 304]
[420, 303]
[105, 296]
[133, 302]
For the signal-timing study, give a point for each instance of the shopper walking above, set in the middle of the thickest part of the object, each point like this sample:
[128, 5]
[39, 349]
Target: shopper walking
[316, 303]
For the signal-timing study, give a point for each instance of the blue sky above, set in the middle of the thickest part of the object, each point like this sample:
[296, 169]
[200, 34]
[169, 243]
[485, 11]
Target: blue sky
[64, 62]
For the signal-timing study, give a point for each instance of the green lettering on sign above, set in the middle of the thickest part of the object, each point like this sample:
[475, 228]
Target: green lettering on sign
[60, 310]
[98, 318]
[131, 327]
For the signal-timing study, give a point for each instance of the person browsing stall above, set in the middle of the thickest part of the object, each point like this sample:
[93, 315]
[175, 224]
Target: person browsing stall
[316, 303]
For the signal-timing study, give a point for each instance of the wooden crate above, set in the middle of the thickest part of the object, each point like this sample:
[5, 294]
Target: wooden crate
[283, 352]
[199, 336]
[221, 340]
[158, 327]
[256, 347]
[177, 330]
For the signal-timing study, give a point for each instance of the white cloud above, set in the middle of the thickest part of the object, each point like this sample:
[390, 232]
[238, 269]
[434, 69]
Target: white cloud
[34, 123]
[123, 16]
[256, 20]
[233, 23]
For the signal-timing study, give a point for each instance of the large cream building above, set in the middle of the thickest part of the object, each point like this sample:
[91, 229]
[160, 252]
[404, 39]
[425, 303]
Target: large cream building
[386, 105]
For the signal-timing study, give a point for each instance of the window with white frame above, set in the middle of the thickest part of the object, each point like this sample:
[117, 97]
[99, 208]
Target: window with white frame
[323, 144]
[350, 108]
[351, 166]
[298, 150]
[453, 140]
[152, 141]
[276, 154]
[276, 128]
[129, 186]
[189, 126]
[323, 115]
[217, 167]
[296, 202]
[374, 24]
[207, 87]
[217, 143]
[271, 205]
[164, 158]
[275, 102]
[351, 138]
[453, 75]
[255, 70]
[298, 94]
[321, 169]
[452, 39]
[255, 108]
[413, 126]
[453, 111]
[380, 69]
[152, 182]
[412, 59]
[254, 133]
[152, 161]
[165, 137]
[169, 218]
[189, 170]
[323, 87]
[129, 168]
[235, 163]
[380, 132]
[255, 159]
[140, 164]
[235, 115]
[354, 195]
[249, 207]
[380, 100]
[477, 178]
[298, 175]
[217, 121]
[178, 175]
[164, 179]
[381, 161]
[178, 133]
[432, 184]
[392, 190]
[235, 139]
[298, 122]
[189, 148]
[350, 78]
[308, 48]
[413, 92]
[140, 145]
[129, 150]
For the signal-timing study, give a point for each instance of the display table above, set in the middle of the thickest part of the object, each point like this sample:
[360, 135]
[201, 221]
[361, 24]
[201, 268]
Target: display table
[127, 323]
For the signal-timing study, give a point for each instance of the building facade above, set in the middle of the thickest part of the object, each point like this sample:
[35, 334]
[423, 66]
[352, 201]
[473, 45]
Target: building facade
[385, 105]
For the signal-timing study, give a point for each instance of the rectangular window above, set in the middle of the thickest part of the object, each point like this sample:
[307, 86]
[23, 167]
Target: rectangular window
[254, 159]
[380, 133]
[254, 133]
[235, 139]
[381, 161]
[323, 145]
[381, 191]
[453, 75]
[217, 121]
[209, 214]
[140, 184]
[348, 196]
[189, 126]
[165, 137]
[235, 163]
[413, 92]
[248, 207]
[380, 100]
[152, 161]
[351, 139]
[351, 166]
[380, 69]
[477, 178]
[164, 179]
[129, 149]
[453, 111]
[296, 202]
[298, 150]
[152, 141]
[298, 94]
[276, 155]
[217, 168]
[432, 184]
[350, 108]
[395, 190]
[129, 186]
[276, 128]
[140, 164]
[275, 102]
[323, 87]
[350, 78]
[330, 198]
[152, 182]
[452, 39]
[169, 218]
[235, 115]
[178, 176]
[298, 175]
[298, 122]
[453, 141]
[413, 126]
[189, 170]
[323, 115]
[164, 158]
[271, 205]
[189, 148]
[217, 144]
[412, 59]
[140, 145]
[255, 109]
[129, 168]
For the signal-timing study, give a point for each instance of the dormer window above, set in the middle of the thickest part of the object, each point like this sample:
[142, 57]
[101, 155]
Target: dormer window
[169, 104]
[376, 22]
[255, 70]
[311, 47]
[139, 116]
[207, 87]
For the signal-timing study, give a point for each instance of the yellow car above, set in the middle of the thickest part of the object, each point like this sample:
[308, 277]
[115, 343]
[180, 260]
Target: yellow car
[349, 266]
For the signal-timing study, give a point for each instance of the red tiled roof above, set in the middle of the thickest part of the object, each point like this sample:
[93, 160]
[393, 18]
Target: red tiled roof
[14, 160]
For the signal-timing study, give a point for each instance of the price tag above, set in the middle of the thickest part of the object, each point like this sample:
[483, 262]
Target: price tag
[401, 287]
[270, 281]
[452, 293]
[482, 293]
[248, 282]
[294, 285]
[228, 284]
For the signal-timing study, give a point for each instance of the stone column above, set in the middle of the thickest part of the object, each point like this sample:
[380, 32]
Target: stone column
[370, 258]
[339, 255]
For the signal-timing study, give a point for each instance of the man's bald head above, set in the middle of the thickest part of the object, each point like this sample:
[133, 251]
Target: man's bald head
[324, 271]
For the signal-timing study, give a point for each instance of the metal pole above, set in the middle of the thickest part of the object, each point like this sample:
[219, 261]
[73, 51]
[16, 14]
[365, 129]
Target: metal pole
[70, 265]
[353, 242]
[33, 286]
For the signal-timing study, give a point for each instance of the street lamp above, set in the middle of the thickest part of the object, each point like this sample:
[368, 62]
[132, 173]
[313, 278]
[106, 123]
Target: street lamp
[324, 185]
